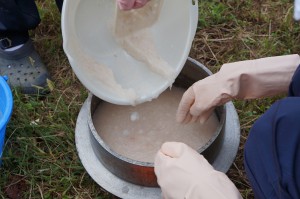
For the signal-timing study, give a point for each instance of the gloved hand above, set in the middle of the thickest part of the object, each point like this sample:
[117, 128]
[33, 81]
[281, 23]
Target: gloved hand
[185, 174]
[239, 80]
[131, 4]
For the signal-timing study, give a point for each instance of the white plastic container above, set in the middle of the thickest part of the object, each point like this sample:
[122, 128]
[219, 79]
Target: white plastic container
[105, 68]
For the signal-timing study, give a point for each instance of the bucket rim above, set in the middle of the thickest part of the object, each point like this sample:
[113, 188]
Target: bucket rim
[9, 105]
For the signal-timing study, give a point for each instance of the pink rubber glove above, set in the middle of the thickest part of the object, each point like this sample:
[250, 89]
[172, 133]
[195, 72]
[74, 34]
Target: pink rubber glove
[239, 80]
[185, 174]
[131, 4]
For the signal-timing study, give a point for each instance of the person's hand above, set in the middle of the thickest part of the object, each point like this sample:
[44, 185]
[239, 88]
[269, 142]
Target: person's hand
[239, 80]
[199, 101]
[184, 173]
[131, 4]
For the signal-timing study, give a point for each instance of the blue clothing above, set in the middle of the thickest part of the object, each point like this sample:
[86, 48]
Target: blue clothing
[16, 18]
[272, 150]
[294, 89]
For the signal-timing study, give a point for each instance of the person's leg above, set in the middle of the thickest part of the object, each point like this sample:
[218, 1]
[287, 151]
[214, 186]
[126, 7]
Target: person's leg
[272, 152]
[294, 89]
[59, 4]
[18, 59]
[16, 18]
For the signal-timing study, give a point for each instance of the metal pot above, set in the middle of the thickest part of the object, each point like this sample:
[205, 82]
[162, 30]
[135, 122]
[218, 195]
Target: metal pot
[142, 173]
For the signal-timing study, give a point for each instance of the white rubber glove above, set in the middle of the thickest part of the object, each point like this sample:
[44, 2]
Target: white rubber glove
[239, 80]
[131, 4]
[185, 174]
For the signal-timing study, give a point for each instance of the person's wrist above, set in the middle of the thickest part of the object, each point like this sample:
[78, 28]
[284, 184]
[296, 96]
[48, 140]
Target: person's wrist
[223, 88]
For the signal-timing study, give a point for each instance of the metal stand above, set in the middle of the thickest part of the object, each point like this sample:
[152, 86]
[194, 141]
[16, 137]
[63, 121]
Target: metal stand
[220, 154]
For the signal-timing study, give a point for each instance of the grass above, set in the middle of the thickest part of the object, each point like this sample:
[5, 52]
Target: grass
[40, 158]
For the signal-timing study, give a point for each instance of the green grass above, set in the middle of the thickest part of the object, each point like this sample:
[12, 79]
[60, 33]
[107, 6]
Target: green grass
[40, 158]
[40, 155]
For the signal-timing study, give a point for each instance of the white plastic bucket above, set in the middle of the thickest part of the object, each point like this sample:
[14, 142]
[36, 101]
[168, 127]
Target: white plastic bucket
[89, 43]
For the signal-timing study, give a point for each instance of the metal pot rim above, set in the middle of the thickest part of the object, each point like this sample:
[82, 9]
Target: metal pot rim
[220, 111]
[221, 117]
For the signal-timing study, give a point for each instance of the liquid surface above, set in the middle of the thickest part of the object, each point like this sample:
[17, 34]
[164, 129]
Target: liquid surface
[137, 132]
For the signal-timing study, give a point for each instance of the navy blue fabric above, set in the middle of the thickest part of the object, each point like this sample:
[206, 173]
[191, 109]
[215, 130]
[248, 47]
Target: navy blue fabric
[272, 150]
[59, 4]
[17, 17]
[294, 89]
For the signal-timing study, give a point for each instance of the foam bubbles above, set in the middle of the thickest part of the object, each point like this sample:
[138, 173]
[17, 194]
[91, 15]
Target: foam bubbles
[134, 116]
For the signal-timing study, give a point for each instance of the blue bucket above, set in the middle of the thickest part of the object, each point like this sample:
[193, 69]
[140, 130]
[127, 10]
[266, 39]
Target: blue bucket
[6, 106]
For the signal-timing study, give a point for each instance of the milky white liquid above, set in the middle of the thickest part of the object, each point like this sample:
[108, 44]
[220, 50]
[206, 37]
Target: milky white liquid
[137, 132]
